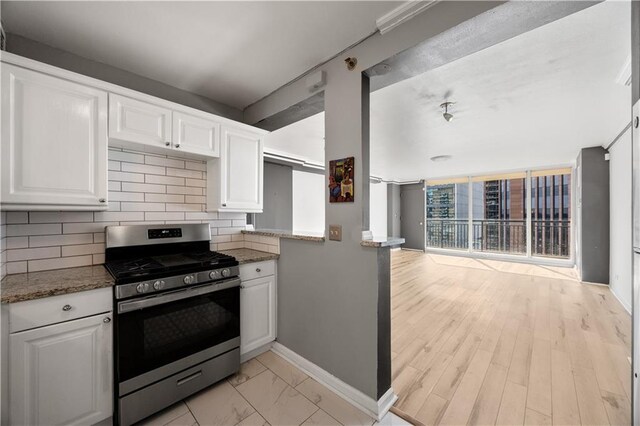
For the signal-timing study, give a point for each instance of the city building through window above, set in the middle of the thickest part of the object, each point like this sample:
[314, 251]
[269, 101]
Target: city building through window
[502, 214]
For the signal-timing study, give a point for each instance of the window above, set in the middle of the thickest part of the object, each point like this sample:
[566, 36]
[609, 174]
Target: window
[448, 214]
[491, 213]
[499, 218]
[551, 213]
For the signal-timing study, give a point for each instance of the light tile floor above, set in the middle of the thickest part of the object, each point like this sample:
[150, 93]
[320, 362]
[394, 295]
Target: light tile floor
[267, 390]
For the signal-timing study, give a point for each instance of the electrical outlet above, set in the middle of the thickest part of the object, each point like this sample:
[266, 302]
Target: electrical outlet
[335, 232]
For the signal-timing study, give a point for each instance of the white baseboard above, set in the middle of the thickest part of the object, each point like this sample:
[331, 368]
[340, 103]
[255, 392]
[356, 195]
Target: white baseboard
[376, 409]
[254, 353]
[624, 305]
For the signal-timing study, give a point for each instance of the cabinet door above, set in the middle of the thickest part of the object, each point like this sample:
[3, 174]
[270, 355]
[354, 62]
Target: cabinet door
[196, 135]
[54, 142]
[257, 313]
[241, 171]
[139, 122]
[62, 374]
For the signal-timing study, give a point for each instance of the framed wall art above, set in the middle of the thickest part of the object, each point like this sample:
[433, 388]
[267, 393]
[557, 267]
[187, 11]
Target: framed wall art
[341, 186]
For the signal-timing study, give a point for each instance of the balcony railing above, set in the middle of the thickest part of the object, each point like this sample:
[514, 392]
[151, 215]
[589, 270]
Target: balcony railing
[448, 233]
[549, 238]
[502, 236]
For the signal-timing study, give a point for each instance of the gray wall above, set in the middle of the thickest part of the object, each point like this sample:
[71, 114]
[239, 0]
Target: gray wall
[328, 314]
[393, 210]
[594, 215]
[331, 316]
[278, 198]
[62, 59]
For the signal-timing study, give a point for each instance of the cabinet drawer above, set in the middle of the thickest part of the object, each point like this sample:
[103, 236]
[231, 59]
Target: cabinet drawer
[55, 309]
[250, 271]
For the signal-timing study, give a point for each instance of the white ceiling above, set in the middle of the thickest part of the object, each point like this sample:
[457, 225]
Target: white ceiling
[531, 101]
[232, 52]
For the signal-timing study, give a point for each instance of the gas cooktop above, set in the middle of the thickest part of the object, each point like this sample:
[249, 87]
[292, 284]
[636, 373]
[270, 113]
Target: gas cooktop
[144, 268]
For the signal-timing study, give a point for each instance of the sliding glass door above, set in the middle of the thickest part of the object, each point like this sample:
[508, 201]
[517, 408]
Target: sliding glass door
[499, 214]
[448, 215]
[523, 214]
[551, 213]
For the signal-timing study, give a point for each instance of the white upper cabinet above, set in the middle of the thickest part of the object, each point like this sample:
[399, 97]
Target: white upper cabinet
[235, 181]
[141, 125]
[139, 122]
[196, 135]
[57, 126]
[54, 143]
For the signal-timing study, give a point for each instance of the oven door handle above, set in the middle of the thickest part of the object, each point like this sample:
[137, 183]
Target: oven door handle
[133, 305]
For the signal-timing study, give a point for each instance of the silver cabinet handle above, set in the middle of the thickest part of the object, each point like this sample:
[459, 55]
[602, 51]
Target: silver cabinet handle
[106, 320]
[177, 145]
[103, 200]
[66, 308]
[258, 269]
[167, 143]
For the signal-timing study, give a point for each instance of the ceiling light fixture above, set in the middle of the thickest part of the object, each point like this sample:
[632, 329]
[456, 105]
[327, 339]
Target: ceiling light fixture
[447, 115]
[439, 158]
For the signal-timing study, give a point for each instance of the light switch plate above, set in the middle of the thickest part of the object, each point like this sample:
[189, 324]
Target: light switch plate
[335, 232]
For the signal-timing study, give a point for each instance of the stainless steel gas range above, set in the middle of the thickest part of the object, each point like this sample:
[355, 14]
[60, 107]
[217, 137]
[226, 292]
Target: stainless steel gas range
[177, 322]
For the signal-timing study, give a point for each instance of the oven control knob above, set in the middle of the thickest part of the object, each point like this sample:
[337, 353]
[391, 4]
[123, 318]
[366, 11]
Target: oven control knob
[214, 274]
[188, 279]
[158, 285]
[226, 272]
[142, 287]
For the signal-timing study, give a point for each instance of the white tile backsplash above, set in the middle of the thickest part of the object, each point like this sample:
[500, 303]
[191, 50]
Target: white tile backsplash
[165, 180]
[34, 229]
[143, 189]
[60, 240]
[32, 253]
[15, 242]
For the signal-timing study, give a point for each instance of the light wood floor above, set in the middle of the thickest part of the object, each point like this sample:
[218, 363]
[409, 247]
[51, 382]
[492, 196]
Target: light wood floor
[485, 342]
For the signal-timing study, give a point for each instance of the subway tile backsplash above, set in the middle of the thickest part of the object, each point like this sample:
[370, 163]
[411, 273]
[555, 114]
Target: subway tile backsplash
[143, 189]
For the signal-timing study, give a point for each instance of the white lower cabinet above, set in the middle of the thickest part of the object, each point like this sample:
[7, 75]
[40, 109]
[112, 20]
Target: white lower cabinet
[257, 305]
[61, 374]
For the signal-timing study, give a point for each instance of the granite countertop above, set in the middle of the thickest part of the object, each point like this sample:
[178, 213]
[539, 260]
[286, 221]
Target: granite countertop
[382, 242]
[285, 234]
[35, 285]
[245, 255]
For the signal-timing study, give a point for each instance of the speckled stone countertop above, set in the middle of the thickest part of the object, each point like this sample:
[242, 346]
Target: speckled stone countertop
[285, 234]
[383, 242]
[245, 255]
[35, 285]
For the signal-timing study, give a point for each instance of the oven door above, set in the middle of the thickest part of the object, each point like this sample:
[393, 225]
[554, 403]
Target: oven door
[160, 335]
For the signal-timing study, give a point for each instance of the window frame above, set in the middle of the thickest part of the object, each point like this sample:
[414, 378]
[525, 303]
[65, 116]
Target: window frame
[528, 174]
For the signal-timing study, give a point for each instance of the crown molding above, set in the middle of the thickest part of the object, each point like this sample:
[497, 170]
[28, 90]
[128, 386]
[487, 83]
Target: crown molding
[402, 14]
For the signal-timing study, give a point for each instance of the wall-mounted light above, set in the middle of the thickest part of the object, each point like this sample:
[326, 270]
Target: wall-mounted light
[447, 115]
